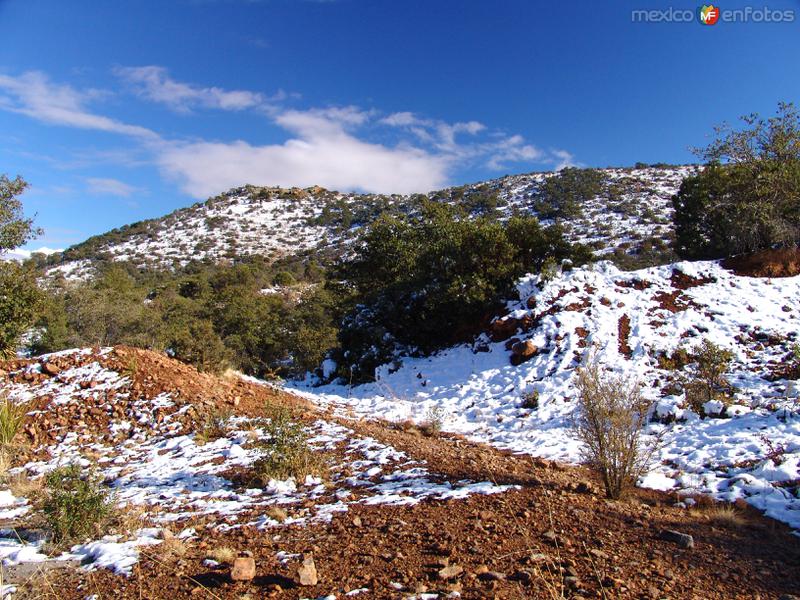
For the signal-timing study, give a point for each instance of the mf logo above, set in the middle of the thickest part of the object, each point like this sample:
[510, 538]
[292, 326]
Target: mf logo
[709, 15]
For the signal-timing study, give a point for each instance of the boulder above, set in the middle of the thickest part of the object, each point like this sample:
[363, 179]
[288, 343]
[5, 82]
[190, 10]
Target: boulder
[243, 569]
[684, 540]
[307, 572]
[523, 351]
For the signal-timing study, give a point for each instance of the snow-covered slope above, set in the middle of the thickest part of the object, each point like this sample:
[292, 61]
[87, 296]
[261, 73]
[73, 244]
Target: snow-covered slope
[275, 222]
[750, 450]
[136, 418]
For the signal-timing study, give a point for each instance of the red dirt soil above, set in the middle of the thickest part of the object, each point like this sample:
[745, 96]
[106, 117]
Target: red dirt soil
[527, 543]
[784, 262]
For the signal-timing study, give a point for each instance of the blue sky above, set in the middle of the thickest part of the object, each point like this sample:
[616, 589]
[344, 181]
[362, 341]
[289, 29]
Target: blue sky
[116, 112]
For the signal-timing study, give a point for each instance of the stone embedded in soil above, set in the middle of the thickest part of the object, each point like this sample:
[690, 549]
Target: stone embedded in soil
[244, 569]
[307, 572]
[492, 576]
[684, 540]
[50, 369]
[450, 572]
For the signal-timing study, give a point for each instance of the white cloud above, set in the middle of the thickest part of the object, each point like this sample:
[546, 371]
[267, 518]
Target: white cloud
[322, 152]
[332, 146]
[107, 186]
[32, 94]
[563, 159]
[155, 84]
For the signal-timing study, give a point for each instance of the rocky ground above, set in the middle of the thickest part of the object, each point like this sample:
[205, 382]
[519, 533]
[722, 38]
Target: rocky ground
[417, 515]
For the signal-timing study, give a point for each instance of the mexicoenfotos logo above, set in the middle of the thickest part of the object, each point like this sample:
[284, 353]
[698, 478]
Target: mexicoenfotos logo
[709, 15]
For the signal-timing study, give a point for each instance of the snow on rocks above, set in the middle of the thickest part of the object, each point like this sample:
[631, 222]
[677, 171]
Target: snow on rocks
[150, 454]
[629, 320]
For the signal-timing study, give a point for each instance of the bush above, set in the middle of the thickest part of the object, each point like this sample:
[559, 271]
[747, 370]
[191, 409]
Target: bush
[434, 421]
[283, 279]
[198, 344]
[75, 504]
[214, 425]
[426, 282]
[748, 196]
[609, 421]
[285, 452]
[707, 379]
[563, 195]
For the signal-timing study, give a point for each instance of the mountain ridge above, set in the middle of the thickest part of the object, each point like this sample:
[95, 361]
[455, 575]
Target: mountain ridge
[277, 222]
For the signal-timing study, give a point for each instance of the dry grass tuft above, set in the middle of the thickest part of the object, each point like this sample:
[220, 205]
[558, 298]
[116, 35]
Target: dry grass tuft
[24, 486]
[171, 549]
[726, 515]
[224, 555]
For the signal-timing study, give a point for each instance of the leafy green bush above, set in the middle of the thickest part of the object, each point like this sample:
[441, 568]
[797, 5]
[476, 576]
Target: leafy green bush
[75, 504]
[748, 196]
[424, 282]
[285, 452]
[707, 379]
[563, 195]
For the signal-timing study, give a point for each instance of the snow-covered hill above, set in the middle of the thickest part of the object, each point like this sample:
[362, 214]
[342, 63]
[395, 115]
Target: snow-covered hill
[633, 322]
[276, 222]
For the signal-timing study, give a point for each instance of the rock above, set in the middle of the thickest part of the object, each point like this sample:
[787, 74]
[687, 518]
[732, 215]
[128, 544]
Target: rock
[357, 521]
[522, 575]
[50, 369]
[572, 583]
[243, 569]
[277, 513]
[492, 576]
[486, 515]
[450, 572]
[502, 329]
[307, 572]
[523, 351]
[684, 540]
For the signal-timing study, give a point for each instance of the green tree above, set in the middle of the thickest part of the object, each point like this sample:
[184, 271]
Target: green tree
[425, 282]
[15, 229]
[747, 197]
[20, 297]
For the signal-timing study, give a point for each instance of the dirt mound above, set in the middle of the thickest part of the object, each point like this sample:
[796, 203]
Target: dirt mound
[784, 262]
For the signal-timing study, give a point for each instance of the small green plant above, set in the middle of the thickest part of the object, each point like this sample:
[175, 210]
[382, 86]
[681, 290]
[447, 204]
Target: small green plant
[530, 400]
[707, 379]
[285, 452]
[549, 270]
[611, 416]
[214, 425]
[131, 368]
[434, 421]
[75, 504]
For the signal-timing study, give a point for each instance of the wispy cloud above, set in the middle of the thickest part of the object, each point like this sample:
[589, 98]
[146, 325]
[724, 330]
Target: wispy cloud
[154, 83]
[331, 146]
[106, 186]
[34, 95]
